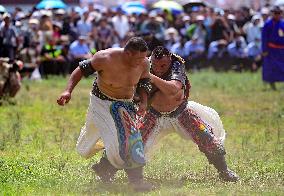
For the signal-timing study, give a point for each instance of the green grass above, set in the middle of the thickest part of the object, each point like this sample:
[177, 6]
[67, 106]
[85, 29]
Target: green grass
[37, 142]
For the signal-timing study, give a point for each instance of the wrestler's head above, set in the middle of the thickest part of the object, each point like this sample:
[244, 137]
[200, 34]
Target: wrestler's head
[136, 51]
[160, 61]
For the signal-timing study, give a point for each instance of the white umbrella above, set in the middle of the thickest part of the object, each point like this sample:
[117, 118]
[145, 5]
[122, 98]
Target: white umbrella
[279, 2]
[2, 8]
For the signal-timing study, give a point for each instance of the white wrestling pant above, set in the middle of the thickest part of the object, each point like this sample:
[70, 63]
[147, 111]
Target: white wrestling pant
[113, 122]
[195, 118]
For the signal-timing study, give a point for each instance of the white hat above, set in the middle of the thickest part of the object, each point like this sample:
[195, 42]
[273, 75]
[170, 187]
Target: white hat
[6, 15]
[200, 18]
[46, 13]
[186, 18]
[231, 17]
[264, 10]
[34, 21]
[171, 30]
[159, 19]
[60, 12]
[152, 14]
[18, 23]
[256, 17]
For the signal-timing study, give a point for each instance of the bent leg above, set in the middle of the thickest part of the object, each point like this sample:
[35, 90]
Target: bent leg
[202, 134]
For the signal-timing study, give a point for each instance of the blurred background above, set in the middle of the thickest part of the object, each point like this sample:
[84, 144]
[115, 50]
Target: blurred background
[51, 36]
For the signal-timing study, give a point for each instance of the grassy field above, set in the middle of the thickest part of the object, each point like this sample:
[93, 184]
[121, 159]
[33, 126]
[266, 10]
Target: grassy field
[37, 142]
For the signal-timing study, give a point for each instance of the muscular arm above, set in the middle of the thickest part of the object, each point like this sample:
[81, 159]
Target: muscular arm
[74, 79]
[72, 82]
[77, 74]
[143, 94]
[171, 87]
[85, 68]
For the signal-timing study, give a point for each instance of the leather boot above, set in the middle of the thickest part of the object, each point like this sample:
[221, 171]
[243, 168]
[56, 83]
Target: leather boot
[220, 164]
[105, 170]
[136, 181]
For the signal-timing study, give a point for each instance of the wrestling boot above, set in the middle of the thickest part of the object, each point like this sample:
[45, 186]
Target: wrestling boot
[220, 164]
[105, 170]
[136, 181]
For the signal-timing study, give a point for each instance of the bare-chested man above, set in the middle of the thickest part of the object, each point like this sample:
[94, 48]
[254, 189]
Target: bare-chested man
[111, 114]
[171, 111]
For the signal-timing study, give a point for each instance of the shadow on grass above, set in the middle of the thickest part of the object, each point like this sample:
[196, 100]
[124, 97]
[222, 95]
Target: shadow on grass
[120, 185]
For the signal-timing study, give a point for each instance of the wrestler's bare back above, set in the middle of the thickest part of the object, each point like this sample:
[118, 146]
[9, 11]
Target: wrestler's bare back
[117, 74]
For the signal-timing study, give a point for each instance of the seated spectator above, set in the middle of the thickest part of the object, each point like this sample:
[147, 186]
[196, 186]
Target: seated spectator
[79, 50]
[238, 52]
[171, 37]
[29, 56]
[52, 60]
[254, 54]
[180, 49]
[218, 55]
[195, 49]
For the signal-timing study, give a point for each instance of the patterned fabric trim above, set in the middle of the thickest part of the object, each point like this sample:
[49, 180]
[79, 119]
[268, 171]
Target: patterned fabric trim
[145, 84]
[201, 133]
[98, 93]
[131, 148]
[171, 114]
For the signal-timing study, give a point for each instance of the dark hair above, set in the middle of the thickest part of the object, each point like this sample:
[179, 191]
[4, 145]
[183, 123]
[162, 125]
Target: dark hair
[136, 44]
[160, 51]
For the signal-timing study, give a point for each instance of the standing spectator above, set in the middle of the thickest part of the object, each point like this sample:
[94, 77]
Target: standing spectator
[105, 35]
[68, 28]
[273, 48]
[264, 14]
[200, 30]
[152, 26]
[219, 29]
[252, 29]
[120, 24]
[180, 49]
[171, 37]
[184, 26]
[84, 27]
[79, 51]
[9, 38]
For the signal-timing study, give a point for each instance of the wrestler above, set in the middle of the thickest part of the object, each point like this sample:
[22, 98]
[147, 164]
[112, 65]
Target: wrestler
[170, 111]
[111, 113]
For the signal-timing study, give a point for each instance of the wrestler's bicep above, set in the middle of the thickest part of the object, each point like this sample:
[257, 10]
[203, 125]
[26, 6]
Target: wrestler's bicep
[178, 84]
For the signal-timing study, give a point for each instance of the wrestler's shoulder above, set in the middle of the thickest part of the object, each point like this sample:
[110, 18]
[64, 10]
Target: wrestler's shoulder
[106, 55]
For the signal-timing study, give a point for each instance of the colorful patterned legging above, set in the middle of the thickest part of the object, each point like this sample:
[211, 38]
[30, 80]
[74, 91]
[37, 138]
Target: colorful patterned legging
[199, 123]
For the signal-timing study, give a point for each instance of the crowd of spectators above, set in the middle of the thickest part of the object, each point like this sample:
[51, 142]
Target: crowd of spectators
[55, 40]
